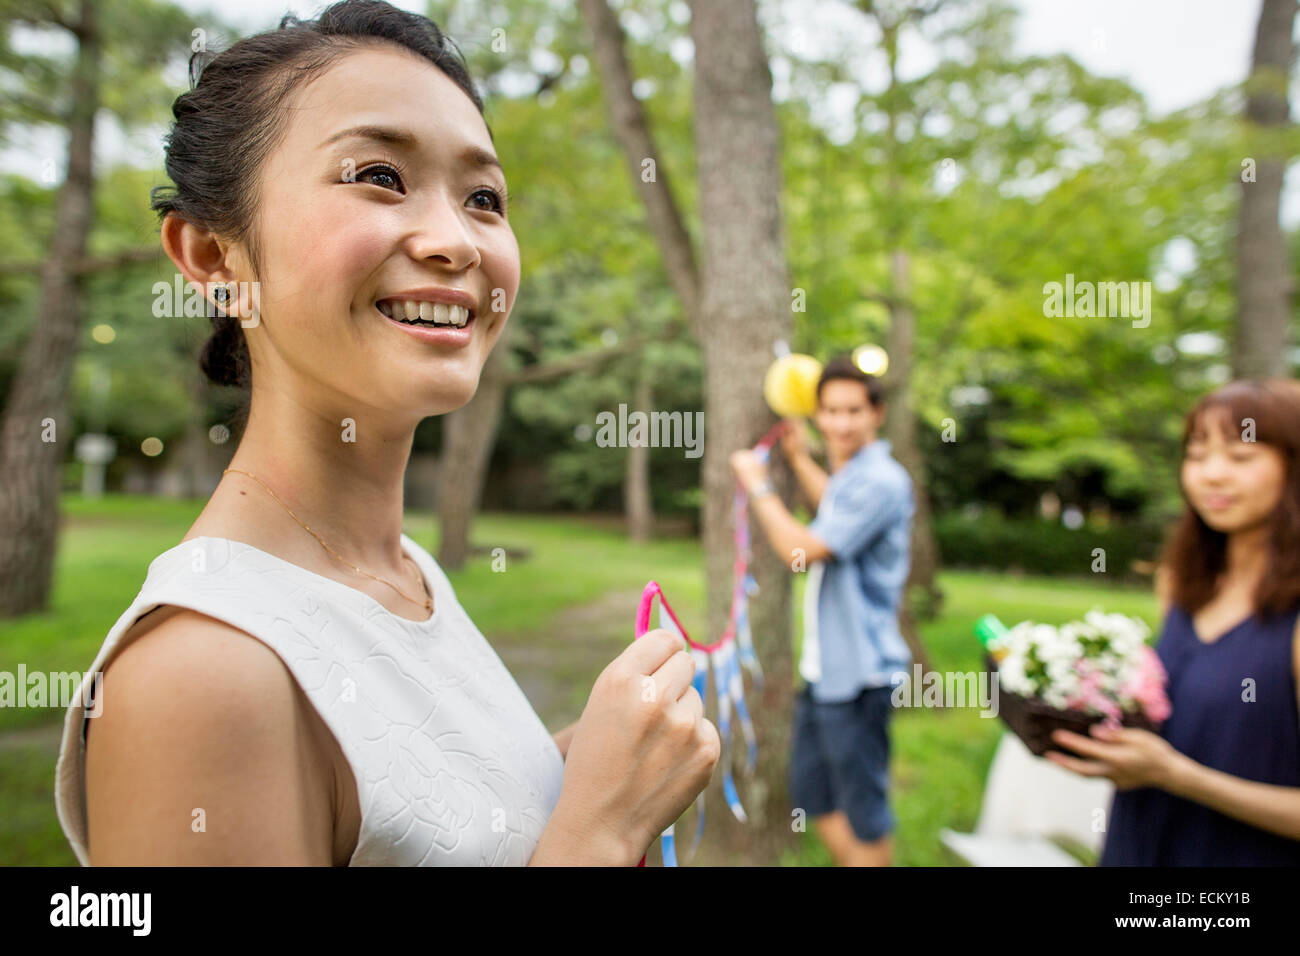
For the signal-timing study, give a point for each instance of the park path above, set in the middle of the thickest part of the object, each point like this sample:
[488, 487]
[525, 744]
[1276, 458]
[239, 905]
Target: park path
[555, 666]
[43, 737]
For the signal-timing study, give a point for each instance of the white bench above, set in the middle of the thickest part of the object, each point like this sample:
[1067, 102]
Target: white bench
[1026, 800]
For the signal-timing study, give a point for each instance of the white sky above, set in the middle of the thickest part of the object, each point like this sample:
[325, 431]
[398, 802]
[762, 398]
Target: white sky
[1174, 51]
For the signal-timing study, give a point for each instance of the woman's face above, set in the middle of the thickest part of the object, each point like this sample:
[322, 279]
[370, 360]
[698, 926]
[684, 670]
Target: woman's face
[353, 226]
[1234, 485]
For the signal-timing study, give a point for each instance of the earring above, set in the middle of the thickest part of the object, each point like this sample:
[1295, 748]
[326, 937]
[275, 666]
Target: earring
[224, 295]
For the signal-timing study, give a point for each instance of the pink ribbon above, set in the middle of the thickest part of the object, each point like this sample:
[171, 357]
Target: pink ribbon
[740, 570]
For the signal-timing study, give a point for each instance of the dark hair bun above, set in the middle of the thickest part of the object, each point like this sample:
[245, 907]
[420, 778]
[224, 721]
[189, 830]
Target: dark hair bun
[224, 359]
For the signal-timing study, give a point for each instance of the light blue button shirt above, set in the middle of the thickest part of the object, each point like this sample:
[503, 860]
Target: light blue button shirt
[865, 518]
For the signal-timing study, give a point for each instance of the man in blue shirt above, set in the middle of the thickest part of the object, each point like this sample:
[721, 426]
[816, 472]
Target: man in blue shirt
[857, 551]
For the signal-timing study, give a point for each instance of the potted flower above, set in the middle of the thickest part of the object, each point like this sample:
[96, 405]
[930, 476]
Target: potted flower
[1072, 676]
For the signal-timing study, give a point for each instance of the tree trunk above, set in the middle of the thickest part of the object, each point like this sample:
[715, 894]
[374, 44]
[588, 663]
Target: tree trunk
[745, 300]
[468, 436]
[900, 429]
[649, 177]
[637, 506]
[1263, 273]
[900, 424]
[744, 296]
[29, 464]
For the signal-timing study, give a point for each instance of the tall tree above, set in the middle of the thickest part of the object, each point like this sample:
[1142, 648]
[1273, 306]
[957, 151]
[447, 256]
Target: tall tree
[468, 435]
[738, 301]
[638, 508]
[901, 423]
[1264, 274]
[120, 52]
[29, 447]
[642, 156]
[745, 298]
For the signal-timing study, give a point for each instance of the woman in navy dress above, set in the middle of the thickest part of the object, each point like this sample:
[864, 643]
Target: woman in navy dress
[1220, 784]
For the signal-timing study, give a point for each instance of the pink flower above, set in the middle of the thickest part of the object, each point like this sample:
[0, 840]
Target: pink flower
[1146, 685]
[1090, 697]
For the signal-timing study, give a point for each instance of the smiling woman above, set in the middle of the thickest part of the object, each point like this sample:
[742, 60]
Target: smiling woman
[1220, 784]
[295, 681]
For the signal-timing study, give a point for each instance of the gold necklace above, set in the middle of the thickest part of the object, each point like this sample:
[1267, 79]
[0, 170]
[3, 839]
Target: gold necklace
[428, 598]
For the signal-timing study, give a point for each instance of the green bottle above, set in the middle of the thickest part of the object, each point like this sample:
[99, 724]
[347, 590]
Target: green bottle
[988, 628]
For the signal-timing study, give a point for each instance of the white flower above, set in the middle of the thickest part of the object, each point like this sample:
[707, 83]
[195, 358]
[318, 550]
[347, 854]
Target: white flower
[1011, 675]
[1112, 642]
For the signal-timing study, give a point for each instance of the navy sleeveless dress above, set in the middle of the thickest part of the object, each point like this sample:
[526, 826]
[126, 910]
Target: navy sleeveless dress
[1215, 726]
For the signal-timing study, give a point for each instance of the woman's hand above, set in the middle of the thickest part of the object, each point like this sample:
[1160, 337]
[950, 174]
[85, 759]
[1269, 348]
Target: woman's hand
[641, 753]
[1127, 755]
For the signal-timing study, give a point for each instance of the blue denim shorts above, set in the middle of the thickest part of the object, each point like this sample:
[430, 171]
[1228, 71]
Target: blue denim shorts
[840, 760]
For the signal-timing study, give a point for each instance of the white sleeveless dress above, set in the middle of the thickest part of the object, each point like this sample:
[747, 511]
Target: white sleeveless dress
[452, 764]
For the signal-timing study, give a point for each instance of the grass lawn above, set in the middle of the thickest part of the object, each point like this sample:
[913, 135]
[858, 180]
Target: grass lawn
[567, 612]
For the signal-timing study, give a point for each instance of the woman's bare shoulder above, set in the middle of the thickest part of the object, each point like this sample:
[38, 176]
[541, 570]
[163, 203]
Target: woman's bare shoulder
[179, 654]
[202, 734]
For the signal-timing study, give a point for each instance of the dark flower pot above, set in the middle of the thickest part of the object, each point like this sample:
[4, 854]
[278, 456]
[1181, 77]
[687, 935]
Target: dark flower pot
[1033, 721]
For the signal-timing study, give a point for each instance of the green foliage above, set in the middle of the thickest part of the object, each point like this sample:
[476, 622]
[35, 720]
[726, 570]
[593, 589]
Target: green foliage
[139, 40]
[1026, 545]
[1056, 171]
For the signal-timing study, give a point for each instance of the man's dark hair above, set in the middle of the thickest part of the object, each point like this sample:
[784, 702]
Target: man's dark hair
[843, 367]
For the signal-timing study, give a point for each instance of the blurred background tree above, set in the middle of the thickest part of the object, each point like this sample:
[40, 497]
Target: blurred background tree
[103, 59]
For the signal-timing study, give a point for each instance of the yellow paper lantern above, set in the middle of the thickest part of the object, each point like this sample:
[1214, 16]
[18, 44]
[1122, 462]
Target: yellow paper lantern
[790, 385]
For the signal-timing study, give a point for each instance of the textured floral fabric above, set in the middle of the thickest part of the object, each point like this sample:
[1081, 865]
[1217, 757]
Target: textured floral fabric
[452, 764]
